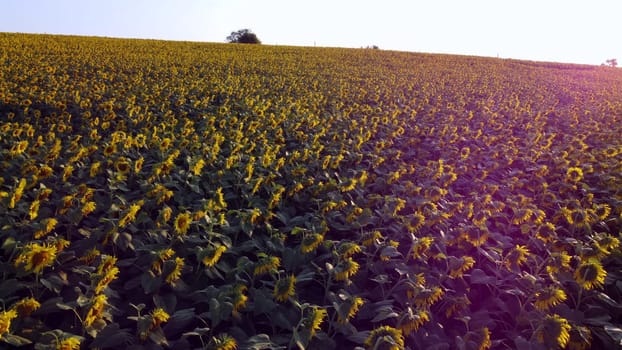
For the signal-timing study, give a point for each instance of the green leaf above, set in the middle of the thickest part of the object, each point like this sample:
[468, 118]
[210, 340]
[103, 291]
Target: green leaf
[260, 342]
[112, 337]
[480, 277]
[150, 282]
[615, 333]
[384, 312]
[15, 340]
[179, 321]
[215, 312]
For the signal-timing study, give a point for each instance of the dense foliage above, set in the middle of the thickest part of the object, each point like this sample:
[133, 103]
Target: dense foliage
[185, 195]
[243, 36]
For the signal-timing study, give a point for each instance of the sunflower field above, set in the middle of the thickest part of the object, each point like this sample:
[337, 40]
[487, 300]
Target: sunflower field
[177, 195]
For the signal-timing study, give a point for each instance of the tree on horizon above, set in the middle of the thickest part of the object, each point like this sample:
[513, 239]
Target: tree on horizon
[243, 36]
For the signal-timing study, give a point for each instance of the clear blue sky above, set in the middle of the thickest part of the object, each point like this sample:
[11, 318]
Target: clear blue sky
[550, 30]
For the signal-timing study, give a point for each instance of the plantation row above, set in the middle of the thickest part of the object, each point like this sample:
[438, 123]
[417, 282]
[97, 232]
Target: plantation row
[185, 195]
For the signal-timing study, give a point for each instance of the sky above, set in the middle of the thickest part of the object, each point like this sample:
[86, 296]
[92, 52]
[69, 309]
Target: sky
[571, 31]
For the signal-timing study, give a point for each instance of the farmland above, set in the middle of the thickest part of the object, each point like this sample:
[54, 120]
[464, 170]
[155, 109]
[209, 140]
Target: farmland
[190, 195]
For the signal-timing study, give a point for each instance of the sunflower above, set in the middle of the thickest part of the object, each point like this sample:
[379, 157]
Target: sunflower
[26, 306]
[130, 215]
[5, 321]
[45, 171]
[348, 249]
[140, 140]
[90, 256]
[165, 215]
[175, 275]
[522, 215]
[385, 337]
[17, 194]
[606, 243]
[574, 174]
[427, 297]
[211, 255]
[553, 331]
[122, 165]
[602, 211]
[476, 236]
[346, 269]
[239, 299]
[96, 310]
[548, 297]
[481, 338]
[94, 170]
[516, 257]
[285, 288]
[182, 223]
[161, 256]
[35, 257]
[310, 242]
[70, 343]
[415, 222]
[198, 166]
[222, 342]
[315, 319]
[370, 238]
[590, 274]
[165, 144]
[266, 264]
[580, 338]
[33, 211]
[105, 279]
[349, 308]
[110, 150]
[88, 208]
[412, 320]
[67, 172]
[44, 194]
[457, 267]
[158, 316]
[255, 216]
[546, 232]
[138, 164]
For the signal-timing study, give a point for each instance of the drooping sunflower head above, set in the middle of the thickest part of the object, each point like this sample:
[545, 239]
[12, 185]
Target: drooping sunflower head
[457, 266]
[549, 297]
[310, 242]
[70, 343]
[222, 342]
[266, 264]
[346, 269]
[412, 320]
[415, 222]
[590, 274]
[176, 272]
[212, 254]
[349, 309]
[602, 211]
[516, 257]
[314, 319]
[348, 249]
[5, 320]
[285, 288]
[580, 338]
[385, 337]
[158, 316]
[26, 306]
[553, 331]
